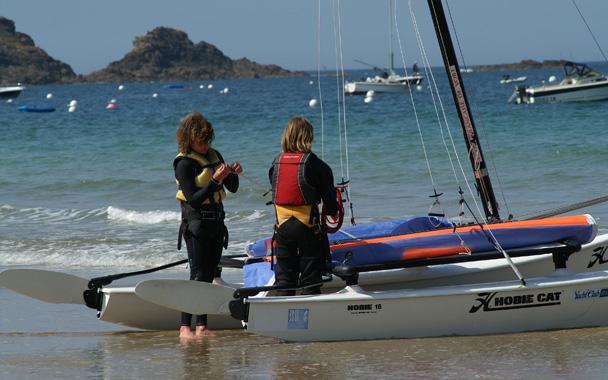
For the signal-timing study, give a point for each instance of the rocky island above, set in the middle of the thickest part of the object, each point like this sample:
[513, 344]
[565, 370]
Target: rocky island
[166, 54]
[22, 61]
[163, 54]
[526, 64]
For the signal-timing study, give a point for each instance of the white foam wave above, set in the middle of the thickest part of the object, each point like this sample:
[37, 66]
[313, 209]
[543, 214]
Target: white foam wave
[142, 217]
[246, 216]
[41, 214]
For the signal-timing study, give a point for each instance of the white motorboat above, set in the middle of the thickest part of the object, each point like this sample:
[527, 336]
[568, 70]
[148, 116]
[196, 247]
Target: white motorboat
[389, 83]
[506, 79]
[10, 92]
[580, 84]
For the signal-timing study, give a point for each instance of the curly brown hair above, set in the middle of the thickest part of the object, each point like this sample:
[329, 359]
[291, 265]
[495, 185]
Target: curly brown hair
[193, 128]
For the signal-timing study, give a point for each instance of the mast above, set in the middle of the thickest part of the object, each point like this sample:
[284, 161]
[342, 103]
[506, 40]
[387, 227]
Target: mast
[390, 37]
[480, 171]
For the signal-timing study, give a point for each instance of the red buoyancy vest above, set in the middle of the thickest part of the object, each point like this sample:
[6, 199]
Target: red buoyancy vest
[289, 185]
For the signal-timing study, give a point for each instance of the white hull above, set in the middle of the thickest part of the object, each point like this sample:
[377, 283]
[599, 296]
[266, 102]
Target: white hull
[513, 80]
[122, 306]
[562, 93]
[554, 302]
[380, 85]
[10, 92]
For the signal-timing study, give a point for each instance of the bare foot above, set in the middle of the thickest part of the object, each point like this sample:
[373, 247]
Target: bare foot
[203, 331]
[186, 333]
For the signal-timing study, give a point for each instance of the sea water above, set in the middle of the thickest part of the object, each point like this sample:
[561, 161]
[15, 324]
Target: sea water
[92, 192]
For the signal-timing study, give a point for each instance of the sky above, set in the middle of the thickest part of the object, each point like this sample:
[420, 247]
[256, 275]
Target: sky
[88, 35]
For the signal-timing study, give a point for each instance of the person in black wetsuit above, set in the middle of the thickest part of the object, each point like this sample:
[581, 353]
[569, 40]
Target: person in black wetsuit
[300, 181]
[201, 176]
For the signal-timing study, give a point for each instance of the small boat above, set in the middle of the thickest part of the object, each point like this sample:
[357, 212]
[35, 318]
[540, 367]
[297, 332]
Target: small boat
[10, 92]
[389, 83]
[506, 79]
[173, 86]
[580, 84]
[38, 109]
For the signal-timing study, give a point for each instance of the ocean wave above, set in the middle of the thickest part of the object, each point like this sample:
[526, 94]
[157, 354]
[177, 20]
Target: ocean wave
[97, 252]
[246, 216]
[142, 217]
[47, 215]
[88, 252]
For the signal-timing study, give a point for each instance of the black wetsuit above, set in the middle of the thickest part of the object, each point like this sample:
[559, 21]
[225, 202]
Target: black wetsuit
[301, 251]
[202, 225]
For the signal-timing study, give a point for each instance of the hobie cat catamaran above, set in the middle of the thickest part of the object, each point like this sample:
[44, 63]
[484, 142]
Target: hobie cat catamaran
[409, 254]
[560, 300]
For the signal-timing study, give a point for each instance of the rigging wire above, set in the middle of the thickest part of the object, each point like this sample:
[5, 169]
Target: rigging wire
[335, 30]
[420, 134]
[340, 82]
[435, 93]
[426, 67]
[484, 222]
[589, 29]
[482, 122]
[319, 79]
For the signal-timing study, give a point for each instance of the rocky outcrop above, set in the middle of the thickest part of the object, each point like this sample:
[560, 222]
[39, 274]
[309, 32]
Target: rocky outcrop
[22, 62]
[526, 64]
[166, 54]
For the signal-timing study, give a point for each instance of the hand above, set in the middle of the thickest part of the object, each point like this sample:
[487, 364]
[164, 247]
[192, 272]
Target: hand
[236, 167]
[221, 173]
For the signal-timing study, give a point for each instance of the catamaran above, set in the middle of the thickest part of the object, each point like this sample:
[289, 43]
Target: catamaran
[558, 300]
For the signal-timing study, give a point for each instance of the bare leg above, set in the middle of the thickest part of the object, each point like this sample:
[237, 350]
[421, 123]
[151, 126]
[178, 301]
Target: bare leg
[203, 331]
[185, 332]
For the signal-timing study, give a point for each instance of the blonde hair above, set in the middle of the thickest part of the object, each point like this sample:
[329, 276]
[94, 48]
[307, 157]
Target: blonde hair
[298, 136]
[193, 128]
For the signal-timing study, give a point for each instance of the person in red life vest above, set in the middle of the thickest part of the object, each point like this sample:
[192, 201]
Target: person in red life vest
[201, 177]
[300, 181]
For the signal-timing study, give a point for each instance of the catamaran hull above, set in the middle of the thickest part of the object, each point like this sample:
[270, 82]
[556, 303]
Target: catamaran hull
[123, 307]
[555, 302]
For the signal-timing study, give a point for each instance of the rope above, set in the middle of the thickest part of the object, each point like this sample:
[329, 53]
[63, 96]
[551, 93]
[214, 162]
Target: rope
[338, 89]
[589, 29]
[342, 126]
[489, 233]
[426, 68]
[481, 123]
[319, 79]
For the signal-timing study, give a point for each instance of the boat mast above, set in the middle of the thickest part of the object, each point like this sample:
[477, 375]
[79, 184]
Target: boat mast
[390, 39]
[480, 171]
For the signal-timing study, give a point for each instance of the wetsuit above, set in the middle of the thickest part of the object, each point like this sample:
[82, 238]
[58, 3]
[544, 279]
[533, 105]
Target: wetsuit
[203, 214]
[302, 247]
